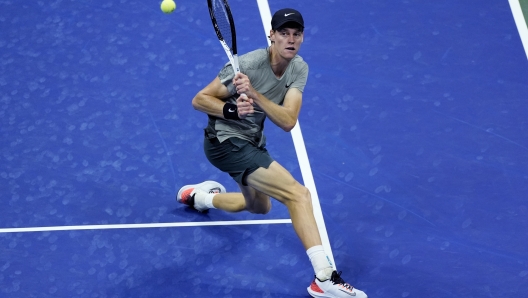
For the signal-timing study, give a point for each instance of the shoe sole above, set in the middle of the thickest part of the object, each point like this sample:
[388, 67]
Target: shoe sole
[322, 295]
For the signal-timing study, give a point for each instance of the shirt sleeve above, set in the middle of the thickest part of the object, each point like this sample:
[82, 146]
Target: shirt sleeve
[300, 75]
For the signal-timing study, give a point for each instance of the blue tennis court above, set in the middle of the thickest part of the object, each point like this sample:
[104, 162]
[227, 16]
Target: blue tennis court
[414, 121]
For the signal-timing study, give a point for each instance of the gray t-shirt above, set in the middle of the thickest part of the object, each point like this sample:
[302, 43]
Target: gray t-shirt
[257, 67]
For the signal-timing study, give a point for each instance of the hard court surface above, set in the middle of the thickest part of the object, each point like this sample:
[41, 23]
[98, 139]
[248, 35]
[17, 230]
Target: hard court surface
[414, 120]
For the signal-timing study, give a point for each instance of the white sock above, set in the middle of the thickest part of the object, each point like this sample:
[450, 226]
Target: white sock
[203, 200]
[208, 201]
[323, 268]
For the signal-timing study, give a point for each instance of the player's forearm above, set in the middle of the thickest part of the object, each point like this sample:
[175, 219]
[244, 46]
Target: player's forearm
[279, 115]
[208, 104]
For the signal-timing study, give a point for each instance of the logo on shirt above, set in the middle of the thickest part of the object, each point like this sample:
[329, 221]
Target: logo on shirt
[288, 86]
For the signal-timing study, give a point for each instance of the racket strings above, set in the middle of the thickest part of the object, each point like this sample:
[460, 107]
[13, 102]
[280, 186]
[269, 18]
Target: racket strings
[222, 22]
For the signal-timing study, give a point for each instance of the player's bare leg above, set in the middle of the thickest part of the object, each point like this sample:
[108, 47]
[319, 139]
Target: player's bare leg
[230, 202]
[278, 183]
[249, 200]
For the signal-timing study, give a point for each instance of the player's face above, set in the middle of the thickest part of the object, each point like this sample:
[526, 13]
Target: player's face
[287, 41]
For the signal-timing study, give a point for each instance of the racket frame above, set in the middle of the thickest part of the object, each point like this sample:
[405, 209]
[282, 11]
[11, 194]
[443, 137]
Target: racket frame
[230, 50]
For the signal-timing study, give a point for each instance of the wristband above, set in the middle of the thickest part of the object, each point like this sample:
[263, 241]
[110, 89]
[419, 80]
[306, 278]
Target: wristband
[231, 111]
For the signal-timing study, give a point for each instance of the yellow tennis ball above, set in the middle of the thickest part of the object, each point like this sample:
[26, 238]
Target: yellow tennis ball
[168, 6]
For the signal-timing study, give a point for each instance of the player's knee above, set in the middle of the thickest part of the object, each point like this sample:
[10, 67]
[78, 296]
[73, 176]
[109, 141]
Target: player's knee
[301, 195]
[306, 197]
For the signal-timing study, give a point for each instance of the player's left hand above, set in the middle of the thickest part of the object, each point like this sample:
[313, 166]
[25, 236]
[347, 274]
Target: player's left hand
[243, 85]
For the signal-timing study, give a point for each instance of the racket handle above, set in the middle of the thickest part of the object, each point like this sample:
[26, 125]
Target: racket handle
[236, 69]
[236, 66]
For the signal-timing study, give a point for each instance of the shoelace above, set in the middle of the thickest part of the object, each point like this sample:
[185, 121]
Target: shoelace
[336, 279]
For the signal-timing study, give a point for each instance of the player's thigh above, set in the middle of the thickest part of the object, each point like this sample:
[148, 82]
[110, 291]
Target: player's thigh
[278, 183]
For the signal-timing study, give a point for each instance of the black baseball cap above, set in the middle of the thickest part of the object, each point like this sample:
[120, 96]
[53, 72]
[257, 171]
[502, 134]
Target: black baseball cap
[284, 16]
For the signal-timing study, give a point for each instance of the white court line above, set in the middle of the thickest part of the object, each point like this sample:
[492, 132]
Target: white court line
[518, 16]
[300, 149]
[146, 225]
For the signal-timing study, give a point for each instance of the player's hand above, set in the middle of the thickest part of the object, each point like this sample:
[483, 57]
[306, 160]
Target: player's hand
[243, 85]
[244, 106]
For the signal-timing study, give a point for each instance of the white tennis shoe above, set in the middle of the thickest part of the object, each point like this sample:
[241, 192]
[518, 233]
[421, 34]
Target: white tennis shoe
[193, 195]
[335, 287]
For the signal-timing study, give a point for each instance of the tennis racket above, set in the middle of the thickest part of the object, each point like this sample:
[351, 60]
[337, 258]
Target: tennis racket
[224, 26]
[225, 29]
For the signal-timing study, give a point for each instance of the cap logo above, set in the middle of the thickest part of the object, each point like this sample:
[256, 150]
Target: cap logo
[285, 17]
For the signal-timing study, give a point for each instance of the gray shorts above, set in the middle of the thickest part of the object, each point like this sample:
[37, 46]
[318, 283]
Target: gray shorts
[237, 157]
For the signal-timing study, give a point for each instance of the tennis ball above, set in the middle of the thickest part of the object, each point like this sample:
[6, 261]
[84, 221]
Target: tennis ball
[168, 6]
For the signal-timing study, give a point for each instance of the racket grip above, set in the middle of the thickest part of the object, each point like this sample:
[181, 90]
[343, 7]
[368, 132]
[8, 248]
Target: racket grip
[236, 66]
[236, 69]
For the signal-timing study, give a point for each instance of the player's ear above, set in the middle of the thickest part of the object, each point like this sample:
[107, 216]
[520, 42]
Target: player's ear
[271, 36]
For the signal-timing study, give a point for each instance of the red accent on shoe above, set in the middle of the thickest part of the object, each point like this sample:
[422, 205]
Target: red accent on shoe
[314, 287]
[186, 195]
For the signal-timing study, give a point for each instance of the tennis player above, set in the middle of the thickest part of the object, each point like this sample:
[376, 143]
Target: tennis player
[270, 84]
